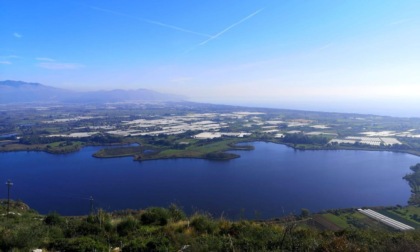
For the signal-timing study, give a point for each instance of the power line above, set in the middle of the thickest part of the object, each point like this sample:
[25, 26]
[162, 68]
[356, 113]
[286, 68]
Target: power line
[91, 204]
[9, 184]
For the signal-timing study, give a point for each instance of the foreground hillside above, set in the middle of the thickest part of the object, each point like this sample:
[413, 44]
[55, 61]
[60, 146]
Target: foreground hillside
[159, 229]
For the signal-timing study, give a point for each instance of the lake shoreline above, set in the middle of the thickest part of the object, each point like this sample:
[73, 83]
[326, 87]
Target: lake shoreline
[234, 147]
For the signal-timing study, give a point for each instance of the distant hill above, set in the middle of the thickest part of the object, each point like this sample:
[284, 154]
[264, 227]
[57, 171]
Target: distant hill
[25, 92]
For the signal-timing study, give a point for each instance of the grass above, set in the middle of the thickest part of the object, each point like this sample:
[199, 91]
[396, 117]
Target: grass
[171, 153]
[337, 220]
[359, 216]
[220, 145]
[64, 147]
[404, 215]
[352, 219]
[119, 152]
[56, 147]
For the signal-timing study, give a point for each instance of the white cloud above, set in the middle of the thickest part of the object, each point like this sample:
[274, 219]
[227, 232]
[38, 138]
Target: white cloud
[59, 66]
[10, 57]
[17, 35]
[44, 59]
[6, 60]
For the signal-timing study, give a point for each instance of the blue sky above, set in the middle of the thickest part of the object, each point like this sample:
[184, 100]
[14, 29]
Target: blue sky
[327, 55]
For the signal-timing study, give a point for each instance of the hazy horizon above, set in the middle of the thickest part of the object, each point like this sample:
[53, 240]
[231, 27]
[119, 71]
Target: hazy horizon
[383, 108]
[355, 56]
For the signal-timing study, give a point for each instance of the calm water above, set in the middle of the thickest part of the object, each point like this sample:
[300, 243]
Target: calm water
[266, 182]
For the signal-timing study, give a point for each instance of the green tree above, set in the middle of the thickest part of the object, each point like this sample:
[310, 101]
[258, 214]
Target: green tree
[304, 213]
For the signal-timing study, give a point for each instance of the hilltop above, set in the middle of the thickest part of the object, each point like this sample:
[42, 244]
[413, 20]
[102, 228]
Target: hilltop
[169, 229]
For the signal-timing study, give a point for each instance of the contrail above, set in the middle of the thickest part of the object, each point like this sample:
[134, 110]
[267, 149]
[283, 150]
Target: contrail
[176, 28]
[230, 27]
[173, 27]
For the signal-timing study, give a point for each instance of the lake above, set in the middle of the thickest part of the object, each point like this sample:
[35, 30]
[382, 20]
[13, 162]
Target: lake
[267, 182]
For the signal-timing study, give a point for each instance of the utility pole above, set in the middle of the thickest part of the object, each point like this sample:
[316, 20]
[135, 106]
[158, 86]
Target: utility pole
[9, 185]
[91, 204]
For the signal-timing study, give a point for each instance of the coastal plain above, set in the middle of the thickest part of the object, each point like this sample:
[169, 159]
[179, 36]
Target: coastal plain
[194, 130]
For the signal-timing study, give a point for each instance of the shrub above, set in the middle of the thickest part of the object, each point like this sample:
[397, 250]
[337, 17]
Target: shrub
[79, 244]
[53, 219]
[176, 213]
[154, 243]
[155, 216]
[204, 224]
[87, 228]
[127, 226]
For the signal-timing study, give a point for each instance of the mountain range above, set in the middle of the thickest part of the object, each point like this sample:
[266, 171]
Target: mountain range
[25, 92]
